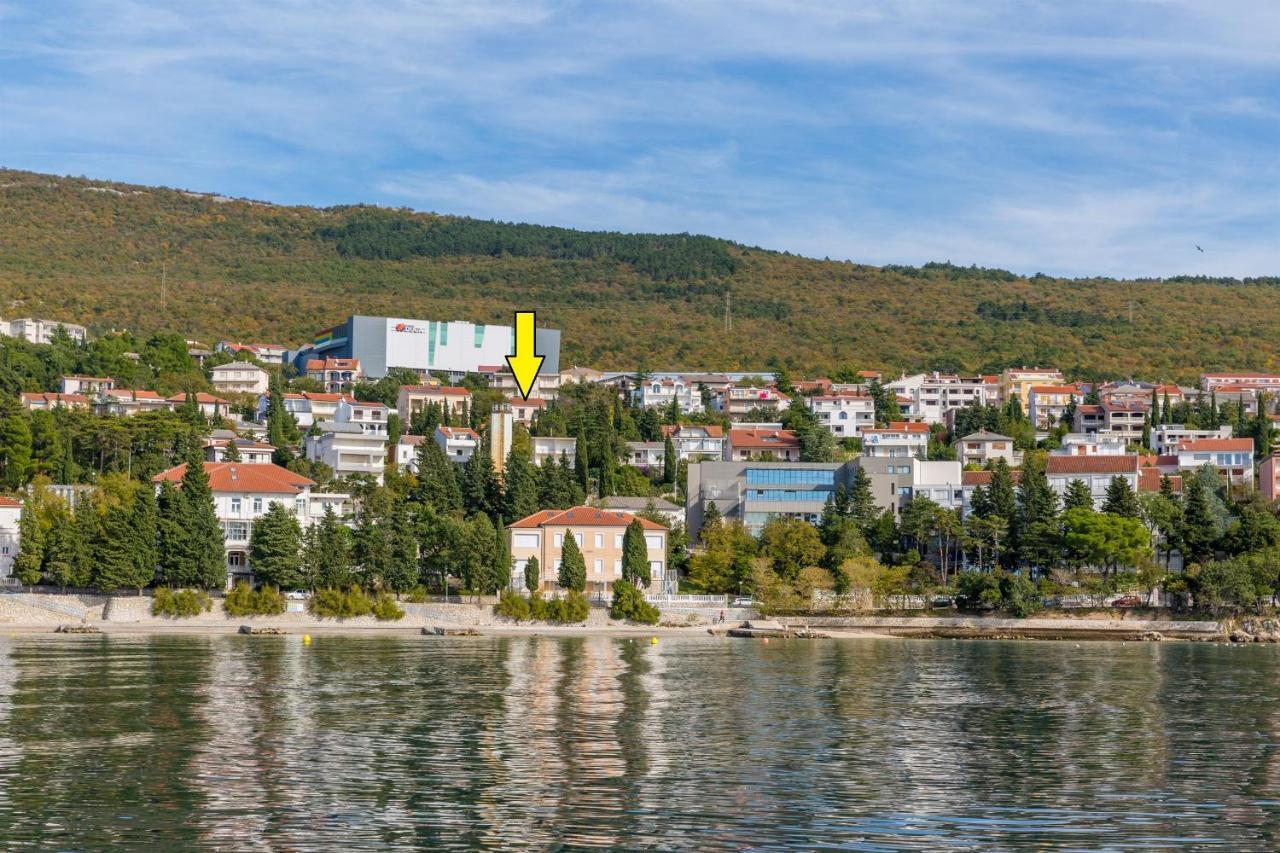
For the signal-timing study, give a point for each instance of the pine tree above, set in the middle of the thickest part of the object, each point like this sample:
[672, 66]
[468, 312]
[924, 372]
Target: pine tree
[144, 522]
[573, 568]
[479, 565]
[437, 485]
[275, 548]
[1121, 499]
[400, 573]
[173, 535]
[28, 564]
[1033, 532]
[1199, 531]
[1166, 411]
[232, 452]
[519, 487]
[501, 559]
[328, 557]
[532, 575]
[113, 566]
[60, 551]
[204, 557]
[282, 427]
[88, 526]
[15, 451]
[635, 555]
[1077, 496]
[1001, 492]
[862, 504]
[479, 485]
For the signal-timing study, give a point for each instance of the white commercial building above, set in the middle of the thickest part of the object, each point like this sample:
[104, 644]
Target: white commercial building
[348, 449]
[41, 331]
[932, 395]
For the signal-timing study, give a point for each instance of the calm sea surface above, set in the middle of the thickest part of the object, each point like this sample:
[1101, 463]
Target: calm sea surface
[260, 743]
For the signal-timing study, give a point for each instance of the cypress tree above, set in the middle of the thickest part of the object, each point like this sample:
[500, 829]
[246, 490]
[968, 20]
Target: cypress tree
[328, 556]
[173, 535]
[15, 451]
[479, 485]
[532, 575]
[501, 559]
[28, 564]
[580, 466]
[573, 568]
[400, 573]
[669, 462]
[862, 504]
[1166, 411]
[114, 566]
[275, 548]
[282, 427]
[88, 525]
[1001, 491]
[635, 555]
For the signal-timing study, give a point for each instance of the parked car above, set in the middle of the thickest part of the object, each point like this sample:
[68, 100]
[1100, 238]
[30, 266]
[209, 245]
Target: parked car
[1128, 601]
[941, 601]
[743, 602]
[297, 595]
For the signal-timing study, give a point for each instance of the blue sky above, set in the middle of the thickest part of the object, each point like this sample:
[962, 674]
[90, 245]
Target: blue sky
[1067, 136]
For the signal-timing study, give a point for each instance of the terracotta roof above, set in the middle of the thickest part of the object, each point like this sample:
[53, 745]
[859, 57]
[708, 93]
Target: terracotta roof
[201, 397]
[1149, 480]
[130, 394]
[583, 516]
[900, 426]
[412, 440]
[458, 432]
[1126, 407]
[54, 397]
[711, 430]
[1054, 389]
[9, 502]
[1088, 409]
[333, 364]
[534, 402]
[983, 478]
[1241, 376]
[364, 404]
[447, 390]
[243, 477]
[1091, 464]
[1220, 444]
[763, 438]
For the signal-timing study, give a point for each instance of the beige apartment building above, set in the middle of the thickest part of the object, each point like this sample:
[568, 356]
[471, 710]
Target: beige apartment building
[598, 533]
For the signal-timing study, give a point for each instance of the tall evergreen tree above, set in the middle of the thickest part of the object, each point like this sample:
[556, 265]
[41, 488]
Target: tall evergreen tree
[1199, 532]
[573, 568]
[479, 485]
[1001, 491]
[328, 559]
[501, 559]
[581, 469]
[669, 462]
[1121, 499]
[144, 521]
[115, 566]
[15, 451]
[204, 558]
[437, 485]
[28, 565]
[61, 548]
[532, 575]
[635, 555]
[172, 511]
[519, 487]
[88, 526]
[862, 503]
[275, 548]
[282, 427]
[1077, 496]
[400, 573]
[1033, 532]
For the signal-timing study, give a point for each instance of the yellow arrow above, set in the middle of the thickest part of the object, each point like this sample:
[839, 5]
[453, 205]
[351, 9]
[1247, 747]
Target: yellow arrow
[523, 363]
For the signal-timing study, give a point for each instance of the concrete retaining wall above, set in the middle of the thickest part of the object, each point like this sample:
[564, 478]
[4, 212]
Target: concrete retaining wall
[979, 626]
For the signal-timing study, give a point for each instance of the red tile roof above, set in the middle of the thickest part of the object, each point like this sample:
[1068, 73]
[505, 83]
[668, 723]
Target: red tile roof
[1149, 480]
[9, 502]
[448, 390]
[243, 477]
[1235, 445]
[900, 426]
[55, 398]
[1091, 464]
[458, 432]
[533, 402]
[201, 397]
[710, 430]
[763, 438]
[583, 516]
[1054, 389]
[130, 394]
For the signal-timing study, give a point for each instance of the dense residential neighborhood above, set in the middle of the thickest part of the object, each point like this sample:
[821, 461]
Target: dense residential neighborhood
[392, 455]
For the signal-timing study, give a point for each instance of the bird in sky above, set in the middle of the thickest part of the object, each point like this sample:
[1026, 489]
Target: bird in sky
[1198, 249]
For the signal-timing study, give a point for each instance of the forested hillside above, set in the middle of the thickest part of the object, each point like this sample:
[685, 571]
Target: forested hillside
[93, 251]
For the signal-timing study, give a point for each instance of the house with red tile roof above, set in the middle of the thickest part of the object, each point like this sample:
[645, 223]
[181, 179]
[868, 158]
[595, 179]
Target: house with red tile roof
[1233, 457]
[744, 444]
[1096, 472]
[598, 534]
[337, 375]
[414, 399]
[696, 442]
[901, 439]
[127, 401]
[34, 401]
[243, 492]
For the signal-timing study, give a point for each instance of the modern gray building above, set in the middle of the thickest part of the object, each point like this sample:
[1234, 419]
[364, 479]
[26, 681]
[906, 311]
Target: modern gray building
[455, 347]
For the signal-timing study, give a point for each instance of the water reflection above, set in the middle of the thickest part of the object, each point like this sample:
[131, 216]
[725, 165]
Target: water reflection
[260, 743]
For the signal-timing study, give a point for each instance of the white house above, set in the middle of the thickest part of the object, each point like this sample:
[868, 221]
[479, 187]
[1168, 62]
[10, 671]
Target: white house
[1092, 444]
[458, 443]
[307, 408]
[1167, 438]
[746, 444]
[1231, 456]
[645, 454]
[845, 415]
[899, 439]
[87, 385]
[694, 442]
[658, 393]
[932, 395]
[348, 449]
[46, 400]
[265, 353]
[337, 375]
[524, 411]
[406, 452]
[251, 452]
[126, 401]
[10, 512]
[239, 377]
[243, 492]
[981, 447]
[1047, 404]
[737, 400]
[1095, 472]
[369, 416]
[41, 331]
[550, 447]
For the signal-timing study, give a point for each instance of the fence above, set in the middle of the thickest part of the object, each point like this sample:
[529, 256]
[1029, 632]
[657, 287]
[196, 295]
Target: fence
[675, 600]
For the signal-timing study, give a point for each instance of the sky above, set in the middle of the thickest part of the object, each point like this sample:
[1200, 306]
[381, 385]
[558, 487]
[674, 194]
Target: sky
[1070, 137]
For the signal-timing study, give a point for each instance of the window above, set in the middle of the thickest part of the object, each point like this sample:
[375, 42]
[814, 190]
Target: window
[577, 537]
[653, 541]
[599, 566]
[235, 506]
[617, 540]
[525, 540]
[617, 564]
[599, 540]
[235, 560]
[559, 540]
[257, 504]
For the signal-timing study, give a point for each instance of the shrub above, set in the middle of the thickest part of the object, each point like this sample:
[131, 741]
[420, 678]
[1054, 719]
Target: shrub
[180, 604]
[337, 604]
[1019, 596]
[244, 601]
[572, 608]
[417, 595]
[629, 604]
[513, 605]
[385, 608]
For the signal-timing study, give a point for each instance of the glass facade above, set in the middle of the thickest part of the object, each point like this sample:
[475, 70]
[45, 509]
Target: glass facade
[782, 476]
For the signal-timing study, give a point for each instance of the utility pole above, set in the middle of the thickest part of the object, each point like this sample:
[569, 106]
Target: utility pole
[164, 277]
[728, 315]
